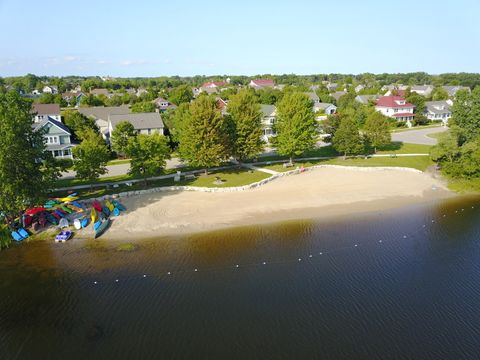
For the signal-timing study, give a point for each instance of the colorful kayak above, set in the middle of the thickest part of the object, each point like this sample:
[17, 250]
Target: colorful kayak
[119, 206]
[109, 205]
[16, 236]
[102, 228]
[106, 211]
[34, 211]
[84, 222]
[97, 206]
[116, 212]
[66, 209]
[93, 215]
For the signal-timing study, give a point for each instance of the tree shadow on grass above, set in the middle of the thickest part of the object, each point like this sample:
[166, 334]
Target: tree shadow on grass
[393, 146]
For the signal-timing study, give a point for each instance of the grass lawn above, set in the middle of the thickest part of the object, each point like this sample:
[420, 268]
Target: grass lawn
[416, 128]
[436, 135]
[417, 162]
[118, 162]
[464, 185]
[231, 178]
[404, 148]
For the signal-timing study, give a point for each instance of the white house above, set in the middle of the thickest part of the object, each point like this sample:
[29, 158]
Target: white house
[261, 83]
[50, 89]
[143, 123]
[269, 118]
[439, 110]
[43, 111]
[425, 90]
[396, 107]
[325, 108]
[162, 104]
[57, 137]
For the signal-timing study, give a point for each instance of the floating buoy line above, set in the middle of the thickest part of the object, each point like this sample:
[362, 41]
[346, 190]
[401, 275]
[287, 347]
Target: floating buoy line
[264, 263]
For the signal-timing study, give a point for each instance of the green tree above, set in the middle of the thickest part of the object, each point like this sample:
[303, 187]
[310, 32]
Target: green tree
[203, 136]
[78, 123]
[180, 94]
[439, 93]
[23, 179]
[179, 119]
[46, 98]
[377, 131]
[143, 107]
[347, 139]
[466, 112]
[91, 157]
[296, 125]
[417, 100]
[148, 155]
[121, 136]
[246, 130]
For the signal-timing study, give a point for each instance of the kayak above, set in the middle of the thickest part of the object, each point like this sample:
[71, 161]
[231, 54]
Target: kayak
[97, 206]
[116, 212]
[93, 215]
[102, 228]
[84, 222]
[34, 211]
[52, 219]
[77, 204]
[109, 205]
[63, 236]
[106, 211]
[66, 209]
[119, 206]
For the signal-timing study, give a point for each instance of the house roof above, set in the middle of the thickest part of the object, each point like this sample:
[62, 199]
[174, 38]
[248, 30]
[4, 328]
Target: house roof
[313, 96]
[338, 94]
[421, 87]
[103, 112]
[42, 123]
[391, 102]
[324, 105]
[263, 82]
[268, 110]
[46, 109]
[100, 91]
[139, 120]
[438, 107]
[214, 84]
[452, 90]
[364, 99]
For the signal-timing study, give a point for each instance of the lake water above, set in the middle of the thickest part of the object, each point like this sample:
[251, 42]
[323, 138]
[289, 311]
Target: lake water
[402, 284]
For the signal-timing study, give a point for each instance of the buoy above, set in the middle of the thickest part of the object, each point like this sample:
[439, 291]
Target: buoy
[196, 270]
[355, 245]
[264, 263]
[95, 282]
[169, 273]
[310, 255]
[404, 236]
[320, 253]
[236, 265]
[116, 280]
[433, 221]
[379, 241]
[299, 259]
[144, 275]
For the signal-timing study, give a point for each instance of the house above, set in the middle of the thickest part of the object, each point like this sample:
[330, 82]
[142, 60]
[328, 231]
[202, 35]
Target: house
[314, 97]
[163, 105]
[57, 137]
[338, 94]
[438, 110]
[143, 123]
[261, 83]
[214, 84]
[69, 95]
[101, 113]
[425, 90]
[43, 111]
[50, 89]
[105, 92]
[398, 90]
[396, 107]
[452, 90]
[36, 92]
[325, 108]
[366, 99]
[222, 105]
[269, 118]
[331, 86]
[141, 91]
[359, 88]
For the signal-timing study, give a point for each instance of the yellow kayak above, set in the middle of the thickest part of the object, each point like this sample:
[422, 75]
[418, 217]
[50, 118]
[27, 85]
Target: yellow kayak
[68, 199]
[109, 205]
[93, 215]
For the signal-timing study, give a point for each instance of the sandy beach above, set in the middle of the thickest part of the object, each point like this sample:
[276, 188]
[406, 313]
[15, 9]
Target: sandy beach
[313, 194]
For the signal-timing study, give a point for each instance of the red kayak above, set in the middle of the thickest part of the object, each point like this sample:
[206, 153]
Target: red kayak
[34, 211]
[97, 206]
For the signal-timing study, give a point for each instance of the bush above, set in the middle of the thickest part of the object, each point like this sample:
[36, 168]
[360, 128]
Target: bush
[64, 163]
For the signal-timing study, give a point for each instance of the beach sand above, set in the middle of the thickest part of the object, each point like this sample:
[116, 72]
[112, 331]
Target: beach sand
[313, 194]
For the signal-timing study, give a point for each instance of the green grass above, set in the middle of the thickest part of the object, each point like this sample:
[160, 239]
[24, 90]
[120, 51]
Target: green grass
[464, 185]
[416, 128]
[435, 135]
[417, 162]
[404, 148]
[126, 247]
[230, 178]
[118, 162]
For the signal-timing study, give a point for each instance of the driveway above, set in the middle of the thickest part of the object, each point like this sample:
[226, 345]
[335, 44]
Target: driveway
[418, 136]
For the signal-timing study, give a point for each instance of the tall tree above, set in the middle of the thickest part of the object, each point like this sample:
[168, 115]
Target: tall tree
[23, 180]
[439, 93]
[296, 125]
[347, 139]
[142, 107]
[466, 112]
[148, 155]
[377, 130]
[121, 136]
[179, 118]
[91, 157]
[246, 129]
[78, 123]
[181, 94]
[203, 137]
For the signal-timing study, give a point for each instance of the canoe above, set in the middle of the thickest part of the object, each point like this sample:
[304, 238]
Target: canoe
[34, 211]
[93, 215]
[109, 205]
[102, 228]
[119, 206]
[97, 206]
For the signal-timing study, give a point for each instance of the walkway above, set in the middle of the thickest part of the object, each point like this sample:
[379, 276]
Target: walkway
[251, 167]
[418, 136]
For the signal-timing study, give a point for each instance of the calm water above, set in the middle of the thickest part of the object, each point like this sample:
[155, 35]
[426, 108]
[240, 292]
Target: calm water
[379, 286]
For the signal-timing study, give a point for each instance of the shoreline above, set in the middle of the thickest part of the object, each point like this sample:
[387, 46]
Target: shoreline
[317, 194]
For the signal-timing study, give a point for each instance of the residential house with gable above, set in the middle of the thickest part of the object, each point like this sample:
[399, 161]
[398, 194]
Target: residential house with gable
[269, 118]
[452, 90]
[50, 89]
[57, 137]
[261, 83]
[396, 107]
[163, 105]
[44, 111]
[439, 111]
[143, 123]
[424, 90]
[101, 113]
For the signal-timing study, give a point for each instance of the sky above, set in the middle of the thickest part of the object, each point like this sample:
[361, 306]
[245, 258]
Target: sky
[243, 37]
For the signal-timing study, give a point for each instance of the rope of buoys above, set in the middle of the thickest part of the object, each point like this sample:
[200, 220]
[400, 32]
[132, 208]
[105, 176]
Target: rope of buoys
[310, 256]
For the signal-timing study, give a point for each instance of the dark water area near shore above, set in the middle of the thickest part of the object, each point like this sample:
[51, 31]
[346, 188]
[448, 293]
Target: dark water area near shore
[397, 284]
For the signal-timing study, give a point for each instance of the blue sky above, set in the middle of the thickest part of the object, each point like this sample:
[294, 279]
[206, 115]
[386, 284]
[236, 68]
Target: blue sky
[244, 37]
